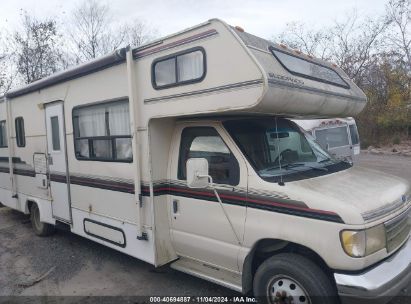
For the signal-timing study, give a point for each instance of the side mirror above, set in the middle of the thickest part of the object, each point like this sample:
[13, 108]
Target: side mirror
[197, 173]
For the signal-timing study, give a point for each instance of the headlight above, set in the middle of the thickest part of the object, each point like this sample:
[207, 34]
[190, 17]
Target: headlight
[360, 243]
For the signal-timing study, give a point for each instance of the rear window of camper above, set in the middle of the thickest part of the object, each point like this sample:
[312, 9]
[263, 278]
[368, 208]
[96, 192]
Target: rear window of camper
[102, 132]
[332, 137]
[180, 68]
[308, 69]
[3, 134]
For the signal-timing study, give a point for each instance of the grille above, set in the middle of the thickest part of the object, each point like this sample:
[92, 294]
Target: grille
[397, 230]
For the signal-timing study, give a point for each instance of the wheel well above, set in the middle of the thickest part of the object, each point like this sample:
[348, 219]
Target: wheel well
[266, 248]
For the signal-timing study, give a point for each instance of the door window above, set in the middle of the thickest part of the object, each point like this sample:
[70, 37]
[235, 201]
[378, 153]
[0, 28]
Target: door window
[20, 134]
[205, 142]
[55, 133]
[3, 134]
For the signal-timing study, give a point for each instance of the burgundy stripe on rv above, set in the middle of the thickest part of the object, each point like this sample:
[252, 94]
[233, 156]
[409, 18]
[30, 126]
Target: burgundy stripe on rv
[142, 53]
[270, 203]
[239, 198]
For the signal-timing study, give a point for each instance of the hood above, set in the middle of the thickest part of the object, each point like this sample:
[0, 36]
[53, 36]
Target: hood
[356, 191]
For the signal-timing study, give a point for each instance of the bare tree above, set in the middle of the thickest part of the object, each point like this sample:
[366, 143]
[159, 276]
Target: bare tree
[2, 58]
[356, 42]
[8, 73]
[399, 15]
[5, 65]
[350, 42]
[93, 31]
[35, 48]
[138, 33]
[312, 42]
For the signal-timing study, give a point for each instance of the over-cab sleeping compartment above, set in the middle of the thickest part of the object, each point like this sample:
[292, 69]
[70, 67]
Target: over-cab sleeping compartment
[299, 85]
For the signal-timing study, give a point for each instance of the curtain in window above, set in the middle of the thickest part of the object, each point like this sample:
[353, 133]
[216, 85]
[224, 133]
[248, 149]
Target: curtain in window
[92, 122]
[119, 119]
[190, 66]
[165, 72]
[82, 148]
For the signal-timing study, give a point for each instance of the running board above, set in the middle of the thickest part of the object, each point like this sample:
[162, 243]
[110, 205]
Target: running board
[210, 273]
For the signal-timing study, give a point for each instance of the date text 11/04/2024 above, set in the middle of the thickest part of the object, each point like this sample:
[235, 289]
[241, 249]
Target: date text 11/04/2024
[203, 299]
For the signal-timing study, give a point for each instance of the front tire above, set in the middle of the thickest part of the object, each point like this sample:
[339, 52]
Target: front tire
[40, 228]
[291, 278]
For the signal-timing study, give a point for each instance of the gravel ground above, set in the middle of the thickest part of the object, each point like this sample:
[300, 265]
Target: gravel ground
[395, 165]
[82, 268]
[401, 149]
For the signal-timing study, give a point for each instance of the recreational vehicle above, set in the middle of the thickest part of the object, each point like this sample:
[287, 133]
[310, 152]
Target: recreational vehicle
[181, 152]
[339, 136]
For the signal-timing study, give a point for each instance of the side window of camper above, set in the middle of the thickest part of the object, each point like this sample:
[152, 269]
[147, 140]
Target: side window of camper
[181, 68]
[3, 134]
[308, 69]
[102, 132]
[355, 138]
[205, 142]
[20, 134]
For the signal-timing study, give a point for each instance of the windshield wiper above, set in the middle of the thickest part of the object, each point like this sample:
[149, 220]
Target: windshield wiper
[311, 167]
[293, 165]
[324, 160]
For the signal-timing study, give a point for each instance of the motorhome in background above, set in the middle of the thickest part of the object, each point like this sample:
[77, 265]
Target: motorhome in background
[339, 136]
[181, 151]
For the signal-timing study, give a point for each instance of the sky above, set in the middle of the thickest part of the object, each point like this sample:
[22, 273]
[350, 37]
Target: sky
[265, 18]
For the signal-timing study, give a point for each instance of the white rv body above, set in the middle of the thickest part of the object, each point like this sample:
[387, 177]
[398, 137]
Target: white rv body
[100, 154]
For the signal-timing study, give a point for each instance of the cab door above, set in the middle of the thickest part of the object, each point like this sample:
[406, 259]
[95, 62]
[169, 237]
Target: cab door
[199, 227]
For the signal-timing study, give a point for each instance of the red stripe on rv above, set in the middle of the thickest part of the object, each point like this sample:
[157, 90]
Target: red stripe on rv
[251, 200]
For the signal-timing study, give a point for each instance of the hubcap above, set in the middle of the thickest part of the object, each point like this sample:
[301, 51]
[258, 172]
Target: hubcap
[283, 289]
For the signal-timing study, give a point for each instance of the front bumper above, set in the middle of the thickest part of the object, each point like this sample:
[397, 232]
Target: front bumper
[380, 283]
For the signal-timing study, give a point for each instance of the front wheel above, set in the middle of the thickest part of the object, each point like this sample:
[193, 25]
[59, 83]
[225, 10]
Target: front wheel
[40, 228]
[291, 278]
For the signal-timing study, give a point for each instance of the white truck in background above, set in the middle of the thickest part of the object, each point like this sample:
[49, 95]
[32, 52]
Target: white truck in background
[339, 136]
[182, 152]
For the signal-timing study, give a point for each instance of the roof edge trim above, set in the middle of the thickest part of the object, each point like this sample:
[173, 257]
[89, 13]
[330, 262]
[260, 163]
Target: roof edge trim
[98, 64]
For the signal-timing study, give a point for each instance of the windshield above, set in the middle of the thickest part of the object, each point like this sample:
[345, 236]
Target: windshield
[277, 146]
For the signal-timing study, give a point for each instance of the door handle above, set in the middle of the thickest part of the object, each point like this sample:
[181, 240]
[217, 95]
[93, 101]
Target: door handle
[175, 206]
